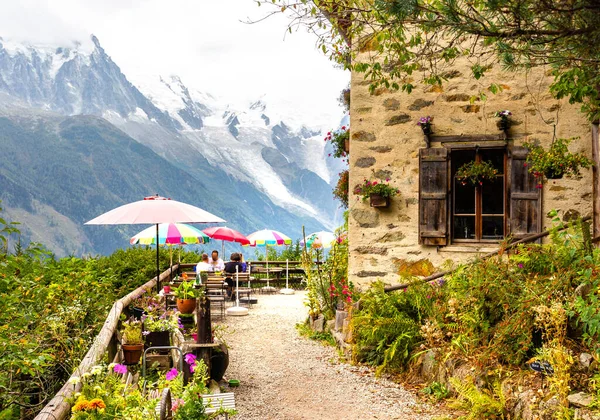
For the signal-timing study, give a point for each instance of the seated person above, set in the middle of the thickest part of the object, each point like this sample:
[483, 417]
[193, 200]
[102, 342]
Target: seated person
[203, 265]
[244, 265]
[230, 269]
[216, 263]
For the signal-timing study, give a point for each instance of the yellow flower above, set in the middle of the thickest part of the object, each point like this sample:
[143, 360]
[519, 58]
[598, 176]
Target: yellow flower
[82, 405]
[97, 403]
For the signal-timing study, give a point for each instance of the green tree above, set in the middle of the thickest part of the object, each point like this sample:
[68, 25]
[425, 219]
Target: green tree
[408, 38]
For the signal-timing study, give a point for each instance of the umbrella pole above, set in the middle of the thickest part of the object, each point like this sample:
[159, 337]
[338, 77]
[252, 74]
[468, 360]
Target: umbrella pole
[223, 248]
[157, 263]
[237, 310]
[267, 261]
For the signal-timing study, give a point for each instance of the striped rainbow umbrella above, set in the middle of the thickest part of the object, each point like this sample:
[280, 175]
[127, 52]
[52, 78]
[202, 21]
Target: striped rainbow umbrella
[322, 239]
[268, 238]
[170, 234]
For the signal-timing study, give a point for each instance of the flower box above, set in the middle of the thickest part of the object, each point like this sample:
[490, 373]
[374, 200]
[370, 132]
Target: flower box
[378, 200]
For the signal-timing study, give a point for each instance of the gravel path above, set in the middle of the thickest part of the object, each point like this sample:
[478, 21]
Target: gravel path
[286, 376]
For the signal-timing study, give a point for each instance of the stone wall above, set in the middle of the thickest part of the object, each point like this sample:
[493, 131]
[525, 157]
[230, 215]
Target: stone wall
[385, 142]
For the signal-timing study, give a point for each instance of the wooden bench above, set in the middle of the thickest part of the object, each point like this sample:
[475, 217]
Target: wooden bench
[215, 402]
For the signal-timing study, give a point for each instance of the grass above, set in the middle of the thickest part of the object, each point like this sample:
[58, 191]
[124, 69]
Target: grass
[325, 338]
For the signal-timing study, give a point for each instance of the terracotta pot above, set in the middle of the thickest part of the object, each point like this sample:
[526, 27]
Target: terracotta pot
[132, 353]
[347, 145]
[186, 306]
[379, 201]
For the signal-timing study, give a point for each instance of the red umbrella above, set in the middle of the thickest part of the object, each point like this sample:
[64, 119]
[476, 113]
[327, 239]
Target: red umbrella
[155, 210]
[226, 234]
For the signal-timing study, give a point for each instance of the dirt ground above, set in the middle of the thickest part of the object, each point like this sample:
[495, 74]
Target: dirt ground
[286, 376]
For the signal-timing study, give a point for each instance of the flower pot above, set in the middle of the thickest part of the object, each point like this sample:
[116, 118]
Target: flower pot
[167, 289]
[426, 129]
[138, 312]
[552, 174]
[347, 145]
[186, 306]
[219, 361]
[132, 353]
[377, 200]
[157, 339]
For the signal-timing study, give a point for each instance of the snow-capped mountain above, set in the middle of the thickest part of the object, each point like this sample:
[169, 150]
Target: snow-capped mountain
[217, 142]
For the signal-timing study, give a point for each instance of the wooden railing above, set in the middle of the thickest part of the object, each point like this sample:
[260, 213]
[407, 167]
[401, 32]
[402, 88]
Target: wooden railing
[58, 408]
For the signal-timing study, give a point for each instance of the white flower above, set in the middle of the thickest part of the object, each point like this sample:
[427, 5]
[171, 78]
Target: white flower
[111, 366]
[96, 370]
[86, 375]
[74, 380]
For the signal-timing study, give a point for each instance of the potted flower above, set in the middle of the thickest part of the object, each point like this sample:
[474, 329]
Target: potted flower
[141, 303]
[425, 124]
[504, 122]
[158, 326]
[341, 189]
[340, 140]
[378, 193]
[186, 296]
[475, 173]
[556, 161]
[133, 343]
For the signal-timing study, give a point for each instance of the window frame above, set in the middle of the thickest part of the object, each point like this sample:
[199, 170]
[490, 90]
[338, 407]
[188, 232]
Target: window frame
[478, 197]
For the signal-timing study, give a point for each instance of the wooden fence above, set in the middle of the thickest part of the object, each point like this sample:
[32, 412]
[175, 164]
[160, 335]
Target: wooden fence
[58, 408]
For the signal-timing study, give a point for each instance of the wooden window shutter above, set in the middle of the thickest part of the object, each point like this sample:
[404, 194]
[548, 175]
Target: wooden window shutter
[433, 196]
[525, 217]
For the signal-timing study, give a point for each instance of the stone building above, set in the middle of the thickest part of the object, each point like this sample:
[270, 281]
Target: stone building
[432, 221]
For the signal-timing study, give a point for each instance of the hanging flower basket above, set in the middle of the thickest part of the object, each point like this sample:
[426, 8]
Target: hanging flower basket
[557, 161]
[425, 124]
[476, 173]
[504, 121]
[378, 193]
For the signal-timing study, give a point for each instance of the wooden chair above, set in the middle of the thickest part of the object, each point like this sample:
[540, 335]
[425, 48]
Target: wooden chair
[214, 402]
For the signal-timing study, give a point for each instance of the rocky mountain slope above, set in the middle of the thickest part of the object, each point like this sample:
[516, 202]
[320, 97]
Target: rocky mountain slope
[79, 139]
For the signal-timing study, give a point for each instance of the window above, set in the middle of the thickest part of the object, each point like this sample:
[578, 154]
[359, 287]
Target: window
[511, 205]
[478, 212]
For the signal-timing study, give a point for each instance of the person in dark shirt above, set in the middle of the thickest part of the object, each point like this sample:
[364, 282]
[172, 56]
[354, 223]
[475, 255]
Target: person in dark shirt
[230, 272]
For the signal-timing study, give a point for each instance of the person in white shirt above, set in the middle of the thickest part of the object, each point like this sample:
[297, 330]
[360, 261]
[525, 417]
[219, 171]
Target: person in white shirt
[204, 264]
[215, 262]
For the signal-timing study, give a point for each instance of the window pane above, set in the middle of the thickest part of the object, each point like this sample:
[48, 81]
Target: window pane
[492, 196]
[492, 227]
[495, 157]
[459, 158]
[464, 227]
[464, 198]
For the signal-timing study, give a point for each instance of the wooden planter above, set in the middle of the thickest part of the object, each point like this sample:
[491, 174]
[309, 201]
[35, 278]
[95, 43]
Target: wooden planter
[377, 200]
[132, 353]
[347, 145]
[159, 339]
[186, 306]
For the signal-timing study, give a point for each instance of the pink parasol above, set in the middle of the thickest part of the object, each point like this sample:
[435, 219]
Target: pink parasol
[155, 210]
[226, 234]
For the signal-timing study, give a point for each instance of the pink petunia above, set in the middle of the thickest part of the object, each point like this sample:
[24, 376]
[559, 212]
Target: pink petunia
[119, 368]
[172, 374]
[190, 358]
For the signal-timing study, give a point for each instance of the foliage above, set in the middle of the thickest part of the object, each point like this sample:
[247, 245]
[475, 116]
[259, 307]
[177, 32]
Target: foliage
[475, 173]
[338, 141]
[186, 290]
[342, 188]
[405, 39]
[481, 404]
[437, 390]
[555, 161]
[104, 395]
[369, 187]
[132, 332]
[327, 286]
[324, 338]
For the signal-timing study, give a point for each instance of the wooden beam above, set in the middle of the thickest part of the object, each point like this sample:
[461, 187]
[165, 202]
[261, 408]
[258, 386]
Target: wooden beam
[467, 137]
[596, 180]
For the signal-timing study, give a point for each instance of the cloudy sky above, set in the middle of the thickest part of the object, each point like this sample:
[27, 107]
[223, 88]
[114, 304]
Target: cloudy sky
[202, 41]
